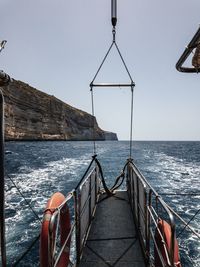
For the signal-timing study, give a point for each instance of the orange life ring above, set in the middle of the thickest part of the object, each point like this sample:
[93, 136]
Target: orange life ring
[46, 257]
[164, 247]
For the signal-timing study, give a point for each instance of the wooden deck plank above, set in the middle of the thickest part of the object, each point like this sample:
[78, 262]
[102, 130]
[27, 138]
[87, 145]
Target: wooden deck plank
[113, 240]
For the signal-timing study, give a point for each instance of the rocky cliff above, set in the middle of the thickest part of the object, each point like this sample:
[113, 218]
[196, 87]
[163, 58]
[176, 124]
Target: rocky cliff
[33, 115]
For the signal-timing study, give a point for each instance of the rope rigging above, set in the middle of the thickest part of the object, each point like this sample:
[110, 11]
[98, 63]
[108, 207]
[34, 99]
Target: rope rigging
[26, 201]
[193, 217]
[131, 85]
[186, 224]
[37, 218]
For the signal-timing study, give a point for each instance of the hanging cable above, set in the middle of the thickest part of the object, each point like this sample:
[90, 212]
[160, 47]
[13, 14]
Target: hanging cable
[26, 252]
[183, 221]
[107, 190]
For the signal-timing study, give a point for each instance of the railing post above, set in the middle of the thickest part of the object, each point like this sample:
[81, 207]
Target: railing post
[90, 199]
[148, 234]
[131, 185]
[138, 205]
[128, 183]
[146, 224]
[96, 185]
[172, 245]
[77, 221]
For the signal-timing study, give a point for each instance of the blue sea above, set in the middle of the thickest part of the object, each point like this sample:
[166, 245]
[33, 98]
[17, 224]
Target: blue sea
[41, 168]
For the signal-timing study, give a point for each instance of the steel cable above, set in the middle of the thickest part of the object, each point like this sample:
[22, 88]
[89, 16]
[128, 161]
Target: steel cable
[27, 203]
[188, 223]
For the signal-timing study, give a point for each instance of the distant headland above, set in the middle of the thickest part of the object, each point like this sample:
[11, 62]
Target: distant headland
[34, 115]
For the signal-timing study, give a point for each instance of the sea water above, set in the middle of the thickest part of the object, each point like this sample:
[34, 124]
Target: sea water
[41, 168]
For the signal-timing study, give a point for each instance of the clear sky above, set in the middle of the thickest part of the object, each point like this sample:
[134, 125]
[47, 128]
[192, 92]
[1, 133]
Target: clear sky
[57, 46]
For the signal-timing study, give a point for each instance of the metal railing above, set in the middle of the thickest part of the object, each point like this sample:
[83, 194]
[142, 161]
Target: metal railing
[82, 200]
[86, 196]
[53, 254]
[148, 207]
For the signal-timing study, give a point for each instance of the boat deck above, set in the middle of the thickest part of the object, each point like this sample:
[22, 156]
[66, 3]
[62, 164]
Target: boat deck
[113, 240]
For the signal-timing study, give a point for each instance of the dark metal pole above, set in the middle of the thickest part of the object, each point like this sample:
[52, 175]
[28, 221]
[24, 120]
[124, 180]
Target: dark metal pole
[2, 196]
[4, 80]
[77, 222]
[132, 84]
[114, 12]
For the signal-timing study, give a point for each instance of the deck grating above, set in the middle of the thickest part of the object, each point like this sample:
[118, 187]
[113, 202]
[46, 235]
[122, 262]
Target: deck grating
[113, 239]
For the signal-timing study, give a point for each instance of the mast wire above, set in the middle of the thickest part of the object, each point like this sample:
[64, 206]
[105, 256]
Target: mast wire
[2, 185]
[36, 216]
[26, 251]
[188, 223]
[27, 202]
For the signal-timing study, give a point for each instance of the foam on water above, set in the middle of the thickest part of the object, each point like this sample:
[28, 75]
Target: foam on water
[179, 176]
[39, 169]
[37, 185]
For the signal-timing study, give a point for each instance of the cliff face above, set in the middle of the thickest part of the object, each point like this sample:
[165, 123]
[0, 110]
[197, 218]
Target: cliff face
[33, 115]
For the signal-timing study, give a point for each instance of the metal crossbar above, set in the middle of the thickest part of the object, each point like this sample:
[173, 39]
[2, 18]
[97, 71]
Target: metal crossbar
[112, 84]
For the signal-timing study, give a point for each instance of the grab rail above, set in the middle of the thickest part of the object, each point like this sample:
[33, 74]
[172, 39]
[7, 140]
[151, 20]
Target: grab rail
[147, 207]
[54, 223]
[84, 197]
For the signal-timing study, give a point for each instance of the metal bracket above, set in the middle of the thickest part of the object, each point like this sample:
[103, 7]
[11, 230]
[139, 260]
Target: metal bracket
[2, 45]
[188, 50]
